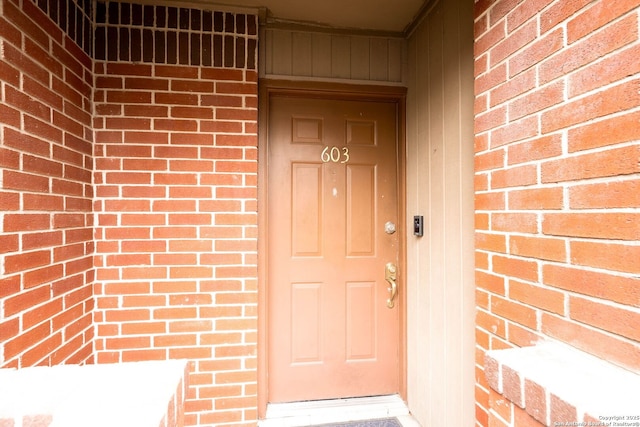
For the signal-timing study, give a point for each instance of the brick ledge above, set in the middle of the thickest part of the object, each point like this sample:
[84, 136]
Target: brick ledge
[137, 394]
[555, 383]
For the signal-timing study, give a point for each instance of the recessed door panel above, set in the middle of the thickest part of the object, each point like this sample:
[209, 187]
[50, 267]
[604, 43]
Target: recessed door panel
[306, 323]
[306, 209]
[361, 210]
[361, 320]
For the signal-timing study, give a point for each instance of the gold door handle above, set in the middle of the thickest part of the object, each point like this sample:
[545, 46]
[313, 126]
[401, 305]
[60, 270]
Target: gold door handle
[390, 271]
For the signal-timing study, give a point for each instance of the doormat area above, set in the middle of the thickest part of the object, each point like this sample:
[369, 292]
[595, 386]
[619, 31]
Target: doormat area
[382, 422]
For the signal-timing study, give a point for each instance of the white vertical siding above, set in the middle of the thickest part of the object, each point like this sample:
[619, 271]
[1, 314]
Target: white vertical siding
[319, 55]
[440, 187]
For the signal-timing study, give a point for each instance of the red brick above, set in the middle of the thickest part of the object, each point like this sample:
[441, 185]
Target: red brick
[514, 41]
[491, 242]
[609, 101]
[514, 177]
[193, 326]
[481, 104]
[482, 340]
[599, 14]
[609, 256]
[145, 111]
[116, 69]
[128, 343]
[617, 351]
[489, 39]
[128, 97]
[176, 71]
[491, 282]
[25, 340]
[144, 83]
[173, 98]
[606, 316]
[40, 353]
[43, 275]
[513, 87]
[143, 273]
[26, 222]
[128, 123]
[27, 104]
[235, 88]
[482, 416]
[22, 21]
[9, 201]
[604, 132]
[522, 222]
[522, 336]
[221, 101]
[491, 160]
[480, 66]
[490, 120]
[142, 328]
[615, 194]
[524, 11]
[590, 49]
[514, 311]
[614, 67]
[143, 137]
[559, 12]
[175, 340]
[41, 313]
[513, 386]
[516, 267]
[537, 100]
[9, 243]
[26, 261]
[190, 353]
[536, 149]
[128, 178]
[534, 295]
[614, 162]
[491, 323]
[481, 182]
[480, 26]
[536, 199]
[149, 165]
[561, 411]
[613, 226]
[523, 419]
[537, 247]
[236, 114]
[515, 131]
[490, 201]
[542, 48]
[493, 78]
[536, 401]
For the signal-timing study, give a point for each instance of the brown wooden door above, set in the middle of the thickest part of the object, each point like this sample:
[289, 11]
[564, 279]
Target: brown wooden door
[332, 188]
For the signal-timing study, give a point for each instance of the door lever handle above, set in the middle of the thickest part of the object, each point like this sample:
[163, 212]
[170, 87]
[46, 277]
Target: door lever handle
[390, 272]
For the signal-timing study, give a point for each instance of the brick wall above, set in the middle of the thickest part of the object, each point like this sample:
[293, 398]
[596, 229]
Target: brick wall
[557, 179]
[176, 199]
[46, 238]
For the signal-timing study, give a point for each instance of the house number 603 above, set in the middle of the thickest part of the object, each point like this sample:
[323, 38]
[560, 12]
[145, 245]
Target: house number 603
[335, 154]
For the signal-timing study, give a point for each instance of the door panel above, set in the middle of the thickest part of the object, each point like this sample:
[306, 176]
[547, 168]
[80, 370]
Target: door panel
[332, 186]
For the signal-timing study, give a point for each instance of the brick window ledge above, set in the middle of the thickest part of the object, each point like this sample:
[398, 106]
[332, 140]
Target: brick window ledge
[140, 394]
[555, 384]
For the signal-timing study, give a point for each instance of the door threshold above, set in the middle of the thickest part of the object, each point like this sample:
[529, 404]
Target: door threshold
[298, 414]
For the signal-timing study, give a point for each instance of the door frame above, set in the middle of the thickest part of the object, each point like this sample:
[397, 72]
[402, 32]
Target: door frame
[337, 91]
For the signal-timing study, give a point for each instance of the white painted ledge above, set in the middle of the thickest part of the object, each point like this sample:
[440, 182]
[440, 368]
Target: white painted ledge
[140, 394]
[564, 377]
